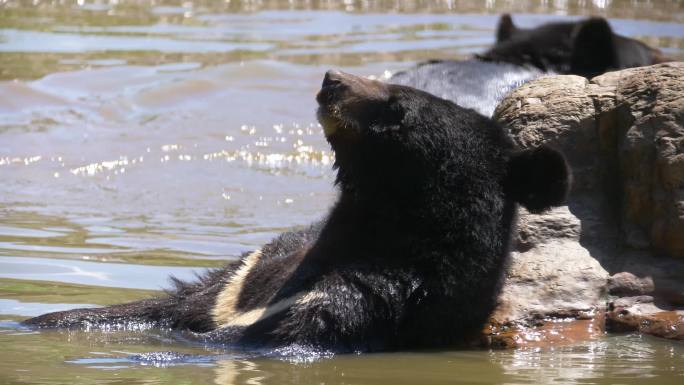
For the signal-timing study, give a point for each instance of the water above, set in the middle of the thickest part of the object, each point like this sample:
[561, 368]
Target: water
[61, 357]
[140, 139]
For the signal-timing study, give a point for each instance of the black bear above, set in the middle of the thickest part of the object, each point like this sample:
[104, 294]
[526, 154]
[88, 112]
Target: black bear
[411, 255]
[587, 48]
[472, 83]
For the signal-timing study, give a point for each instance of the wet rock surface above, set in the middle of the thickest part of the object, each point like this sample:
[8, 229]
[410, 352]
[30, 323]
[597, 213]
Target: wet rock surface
[642, 314]
[553, 330]
[617, 249]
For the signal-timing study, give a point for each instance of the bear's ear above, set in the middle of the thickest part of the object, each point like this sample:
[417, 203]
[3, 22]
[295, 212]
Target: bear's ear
[505, 29]
[593, 48]
[538, 178]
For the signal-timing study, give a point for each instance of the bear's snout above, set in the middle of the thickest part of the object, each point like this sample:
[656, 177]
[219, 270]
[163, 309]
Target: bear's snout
[350, 100]
[333, 77]
[346, 89]
[336, 85]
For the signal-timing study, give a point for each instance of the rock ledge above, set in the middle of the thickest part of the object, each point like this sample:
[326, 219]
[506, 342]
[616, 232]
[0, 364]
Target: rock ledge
[617, 250]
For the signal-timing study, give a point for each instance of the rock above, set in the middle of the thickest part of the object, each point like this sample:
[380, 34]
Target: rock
[664, 275]
[545, 332]
[553, 273]
[650, 132]
[641, 314]
[554, 291]
[632, 301]
[623, 135]
[627, 284]
[535, 230]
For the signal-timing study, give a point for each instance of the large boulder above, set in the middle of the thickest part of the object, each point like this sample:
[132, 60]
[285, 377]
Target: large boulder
[620, 243]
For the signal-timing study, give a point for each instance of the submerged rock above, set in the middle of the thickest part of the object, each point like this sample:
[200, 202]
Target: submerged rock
[622, 234]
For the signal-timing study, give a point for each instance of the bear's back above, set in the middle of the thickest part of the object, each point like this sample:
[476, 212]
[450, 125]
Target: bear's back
[469, 83]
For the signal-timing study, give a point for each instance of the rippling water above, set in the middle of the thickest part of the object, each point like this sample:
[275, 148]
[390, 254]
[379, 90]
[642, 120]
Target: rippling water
[182, 133]
[60, 357]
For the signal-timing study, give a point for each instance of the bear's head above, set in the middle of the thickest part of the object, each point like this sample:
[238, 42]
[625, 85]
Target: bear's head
[400, 146]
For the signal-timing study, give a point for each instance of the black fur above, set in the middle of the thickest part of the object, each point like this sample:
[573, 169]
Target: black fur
[187, 306]
[469, 83]
[505, 29]
[538, 178]
[411, 255]
[593, 48]
[586, 48]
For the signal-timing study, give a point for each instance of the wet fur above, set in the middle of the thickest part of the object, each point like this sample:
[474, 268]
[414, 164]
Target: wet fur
[471, 83]
[411, 255]
[587, 47]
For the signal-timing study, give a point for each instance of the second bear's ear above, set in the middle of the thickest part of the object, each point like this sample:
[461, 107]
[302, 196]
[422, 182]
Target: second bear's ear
[505, 29]
[538, 178]
[593, 49]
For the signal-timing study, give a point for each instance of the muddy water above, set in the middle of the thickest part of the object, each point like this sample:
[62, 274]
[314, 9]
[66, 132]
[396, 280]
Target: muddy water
[140, 139]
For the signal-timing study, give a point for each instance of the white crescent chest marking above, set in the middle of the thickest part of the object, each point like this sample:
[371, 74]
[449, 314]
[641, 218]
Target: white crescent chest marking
[225, 308]
[225, 311]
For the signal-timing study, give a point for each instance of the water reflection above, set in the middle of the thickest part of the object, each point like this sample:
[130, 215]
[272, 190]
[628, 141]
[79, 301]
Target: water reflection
[31, 41]
[33, 309]
[59, 36]
[92, 273]
[140, 357]
[174, 10]
[625, 360]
